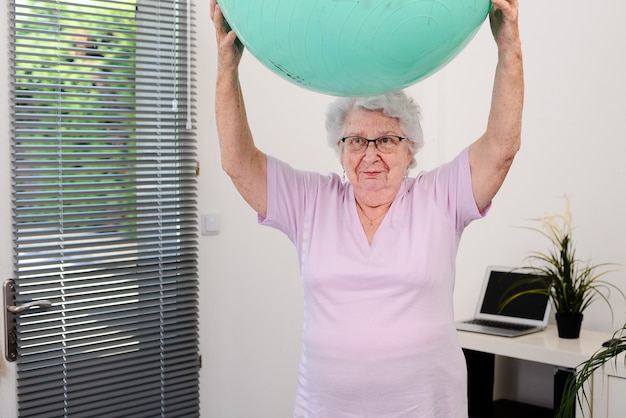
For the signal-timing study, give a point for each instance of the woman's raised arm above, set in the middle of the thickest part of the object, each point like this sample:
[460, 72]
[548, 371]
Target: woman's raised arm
[241, 159]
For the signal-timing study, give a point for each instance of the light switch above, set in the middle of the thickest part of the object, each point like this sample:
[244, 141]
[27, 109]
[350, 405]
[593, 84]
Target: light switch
[210, 223]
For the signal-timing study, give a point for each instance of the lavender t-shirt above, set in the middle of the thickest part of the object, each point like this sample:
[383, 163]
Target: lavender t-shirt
[379, 338]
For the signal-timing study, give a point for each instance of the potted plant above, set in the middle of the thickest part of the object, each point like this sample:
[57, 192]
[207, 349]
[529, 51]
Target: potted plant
[575, 390]
[571, 283]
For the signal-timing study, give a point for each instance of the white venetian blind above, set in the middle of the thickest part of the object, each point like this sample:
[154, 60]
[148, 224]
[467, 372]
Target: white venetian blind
[104, 199]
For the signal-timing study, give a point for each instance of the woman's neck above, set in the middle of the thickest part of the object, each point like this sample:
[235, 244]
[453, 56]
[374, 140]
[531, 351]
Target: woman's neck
[371, 216]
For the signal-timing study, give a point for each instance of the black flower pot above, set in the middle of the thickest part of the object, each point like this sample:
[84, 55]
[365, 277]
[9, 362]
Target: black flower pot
[569, 325]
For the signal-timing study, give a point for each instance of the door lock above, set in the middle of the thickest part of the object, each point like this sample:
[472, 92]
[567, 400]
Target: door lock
[11, 310]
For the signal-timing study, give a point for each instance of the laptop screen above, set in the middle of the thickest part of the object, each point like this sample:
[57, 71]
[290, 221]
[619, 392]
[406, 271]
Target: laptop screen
[502, 284]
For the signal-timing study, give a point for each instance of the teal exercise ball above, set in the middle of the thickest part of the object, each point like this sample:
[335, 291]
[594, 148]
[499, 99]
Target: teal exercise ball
[354, 47]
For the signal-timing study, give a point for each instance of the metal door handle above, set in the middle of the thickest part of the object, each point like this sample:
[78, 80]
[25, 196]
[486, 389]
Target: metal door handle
[32, 304]
[10, 313]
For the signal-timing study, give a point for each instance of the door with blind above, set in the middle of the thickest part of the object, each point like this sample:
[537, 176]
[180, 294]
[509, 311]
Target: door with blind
[8, 397]
[103, 209]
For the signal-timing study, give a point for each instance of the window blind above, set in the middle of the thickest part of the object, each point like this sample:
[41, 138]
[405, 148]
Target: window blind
[104, 198]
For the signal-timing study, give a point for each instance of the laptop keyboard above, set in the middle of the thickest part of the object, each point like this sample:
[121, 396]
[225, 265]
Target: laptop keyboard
[497, 324]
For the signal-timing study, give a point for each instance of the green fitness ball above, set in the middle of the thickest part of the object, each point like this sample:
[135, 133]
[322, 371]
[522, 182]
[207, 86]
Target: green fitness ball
[355, 47]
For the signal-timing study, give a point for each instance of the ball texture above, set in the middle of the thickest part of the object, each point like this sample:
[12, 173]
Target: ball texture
[354, 47]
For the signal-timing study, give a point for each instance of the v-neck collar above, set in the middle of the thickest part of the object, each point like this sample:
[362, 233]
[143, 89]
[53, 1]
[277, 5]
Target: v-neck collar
[356, 221]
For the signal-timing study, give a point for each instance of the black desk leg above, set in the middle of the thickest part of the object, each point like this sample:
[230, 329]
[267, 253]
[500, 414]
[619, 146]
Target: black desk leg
[561, 374]
[480, 372]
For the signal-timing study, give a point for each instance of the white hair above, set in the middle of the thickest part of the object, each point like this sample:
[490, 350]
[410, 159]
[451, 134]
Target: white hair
[396, 105]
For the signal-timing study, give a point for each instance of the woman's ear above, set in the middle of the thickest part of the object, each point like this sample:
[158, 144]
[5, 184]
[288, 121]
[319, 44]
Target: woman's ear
[342, 156]
[409, 158]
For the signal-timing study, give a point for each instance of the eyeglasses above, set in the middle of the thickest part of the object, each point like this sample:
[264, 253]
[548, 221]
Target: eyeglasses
[385, 144]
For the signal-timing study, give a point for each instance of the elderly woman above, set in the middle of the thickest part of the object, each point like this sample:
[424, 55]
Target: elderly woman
[377, 252]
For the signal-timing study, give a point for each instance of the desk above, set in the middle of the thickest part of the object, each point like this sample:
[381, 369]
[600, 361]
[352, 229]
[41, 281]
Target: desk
[609, 387]
[541, 347]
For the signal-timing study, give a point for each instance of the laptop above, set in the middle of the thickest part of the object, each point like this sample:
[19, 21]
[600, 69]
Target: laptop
[524, 315]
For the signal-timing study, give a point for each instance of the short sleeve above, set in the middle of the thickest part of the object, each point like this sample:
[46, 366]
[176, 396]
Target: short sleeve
[291, 196]
[451, 187]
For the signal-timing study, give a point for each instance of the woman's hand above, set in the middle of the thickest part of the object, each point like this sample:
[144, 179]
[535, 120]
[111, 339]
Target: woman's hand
[229, 48]
[504, 26]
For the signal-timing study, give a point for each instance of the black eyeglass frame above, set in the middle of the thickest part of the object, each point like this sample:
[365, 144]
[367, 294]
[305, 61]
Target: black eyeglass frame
[375, 141]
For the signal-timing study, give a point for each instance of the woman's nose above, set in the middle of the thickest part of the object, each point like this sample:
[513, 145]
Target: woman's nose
[371, 151]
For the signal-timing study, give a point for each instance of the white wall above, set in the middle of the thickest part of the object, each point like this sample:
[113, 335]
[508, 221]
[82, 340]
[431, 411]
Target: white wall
[574, 143]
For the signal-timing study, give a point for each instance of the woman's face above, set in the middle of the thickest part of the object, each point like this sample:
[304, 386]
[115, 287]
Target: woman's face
[376, 177]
